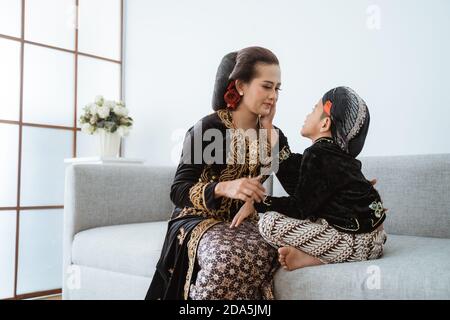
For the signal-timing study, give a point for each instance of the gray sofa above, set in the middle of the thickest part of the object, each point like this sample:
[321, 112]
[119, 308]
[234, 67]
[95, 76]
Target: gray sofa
[115, 219]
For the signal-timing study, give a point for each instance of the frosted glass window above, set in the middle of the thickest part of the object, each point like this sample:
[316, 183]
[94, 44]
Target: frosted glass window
[51, 22]
[9, 146]
[10, 17]
[9, 79]
[40, 250]
[7, 253]
[48, 86]
[43, 154]
[87, 145]
[97, 77]
[99, 28]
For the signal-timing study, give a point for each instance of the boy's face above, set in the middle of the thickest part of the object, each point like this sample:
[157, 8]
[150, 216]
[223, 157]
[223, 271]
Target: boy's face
[314, 123]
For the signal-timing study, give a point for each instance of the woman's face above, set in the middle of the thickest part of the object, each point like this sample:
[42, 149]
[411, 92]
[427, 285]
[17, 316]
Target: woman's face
[260, 95]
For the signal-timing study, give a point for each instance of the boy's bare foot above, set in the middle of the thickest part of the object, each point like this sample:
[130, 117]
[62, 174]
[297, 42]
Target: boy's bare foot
[291, 258]
[282, 252]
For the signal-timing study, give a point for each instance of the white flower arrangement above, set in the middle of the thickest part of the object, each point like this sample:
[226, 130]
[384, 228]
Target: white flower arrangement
[107, 115]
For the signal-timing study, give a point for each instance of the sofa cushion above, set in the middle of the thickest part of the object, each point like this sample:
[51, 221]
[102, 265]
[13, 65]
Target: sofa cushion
[130, 248]
[411, 268]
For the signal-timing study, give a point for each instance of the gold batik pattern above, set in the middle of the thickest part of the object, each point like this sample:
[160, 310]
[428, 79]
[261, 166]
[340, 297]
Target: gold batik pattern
[235, 264]
[192, 245]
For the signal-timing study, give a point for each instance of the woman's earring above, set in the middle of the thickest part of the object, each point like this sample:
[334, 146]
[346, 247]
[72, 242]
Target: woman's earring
[241, 94]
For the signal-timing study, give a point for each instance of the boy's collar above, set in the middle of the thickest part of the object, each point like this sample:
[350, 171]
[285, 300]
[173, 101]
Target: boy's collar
[325, 139]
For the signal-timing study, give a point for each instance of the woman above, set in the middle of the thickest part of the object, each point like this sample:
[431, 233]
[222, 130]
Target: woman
[202, 257]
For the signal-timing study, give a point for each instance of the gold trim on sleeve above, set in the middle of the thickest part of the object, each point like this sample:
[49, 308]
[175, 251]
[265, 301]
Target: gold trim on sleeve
[284, 153]
[196, 195]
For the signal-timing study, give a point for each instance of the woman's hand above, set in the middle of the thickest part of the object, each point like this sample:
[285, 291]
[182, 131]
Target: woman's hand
[246, 210]
[245, 189]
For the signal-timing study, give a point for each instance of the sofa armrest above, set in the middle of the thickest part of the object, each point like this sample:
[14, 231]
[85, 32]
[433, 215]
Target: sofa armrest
[104, 195]
[111, 194]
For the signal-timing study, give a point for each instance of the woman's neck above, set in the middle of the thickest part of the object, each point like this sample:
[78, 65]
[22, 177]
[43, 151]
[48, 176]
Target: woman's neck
[244, 119]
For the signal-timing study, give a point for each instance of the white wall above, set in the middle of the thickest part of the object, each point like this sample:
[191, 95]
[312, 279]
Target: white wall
[401, 69]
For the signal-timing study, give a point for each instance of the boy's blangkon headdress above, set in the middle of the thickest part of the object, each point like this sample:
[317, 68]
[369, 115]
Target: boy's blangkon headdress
[350, 118]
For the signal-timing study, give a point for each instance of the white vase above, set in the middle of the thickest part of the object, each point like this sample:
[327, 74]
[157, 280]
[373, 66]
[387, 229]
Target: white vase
[109, 144]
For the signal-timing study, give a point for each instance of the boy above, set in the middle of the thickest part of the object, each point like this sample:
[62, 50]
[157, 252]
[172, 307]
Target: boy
[335, 214]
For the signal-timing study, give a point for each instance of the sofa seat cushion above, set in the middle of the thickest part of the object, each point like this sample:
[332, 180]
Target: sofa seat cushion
[130, 248]
[411, 268]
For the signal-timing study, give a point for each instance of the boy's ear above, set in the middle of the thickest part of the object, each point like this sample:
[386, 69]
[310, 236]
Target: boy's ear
[326, 124]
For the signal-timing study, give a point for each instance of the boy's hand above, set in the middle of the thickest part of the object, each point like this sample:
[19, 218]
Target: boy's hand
[246, 210]
[266, 121]
[373, 182]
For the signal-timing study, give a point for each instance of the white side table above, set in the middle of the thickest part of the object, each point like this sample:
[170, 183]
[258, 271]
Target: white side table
[104, 160]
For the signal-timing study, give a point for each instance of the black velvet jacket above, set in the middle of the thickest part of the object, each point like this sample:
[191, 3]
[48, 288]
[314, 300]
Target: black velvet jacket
[331, 186]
